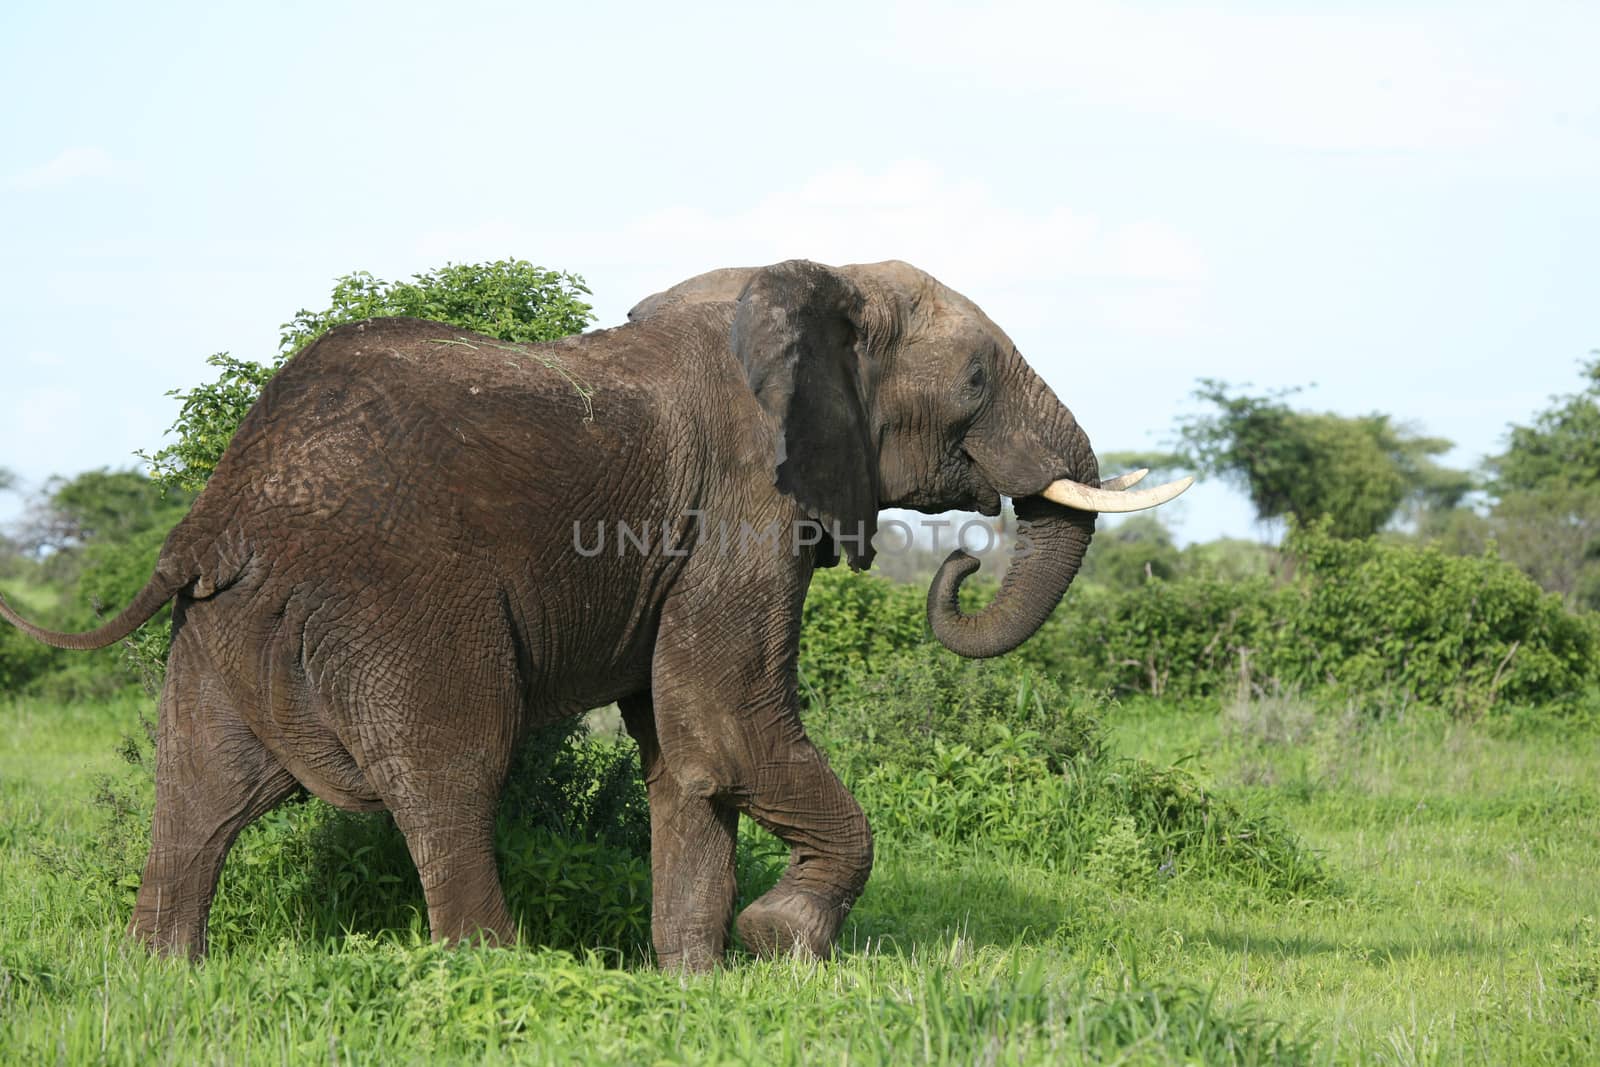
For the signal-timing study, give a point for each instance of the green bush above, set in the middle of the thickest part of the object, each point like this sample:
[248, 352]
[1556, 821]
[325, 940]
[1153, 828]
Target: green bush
[852, 622]
[23, 660]
[1175, 639]
[1365, 619]
[951, 754]
[916, 701]
[1460, 633]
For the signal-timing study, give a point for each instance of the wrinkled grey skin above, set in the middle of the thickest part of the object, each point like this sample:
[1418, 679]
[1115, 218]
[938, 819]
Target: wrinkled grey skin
[381, 589]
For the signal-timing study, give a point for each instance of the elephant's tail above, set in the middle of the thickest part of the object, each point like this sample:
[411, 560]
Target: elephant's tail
[162, 587]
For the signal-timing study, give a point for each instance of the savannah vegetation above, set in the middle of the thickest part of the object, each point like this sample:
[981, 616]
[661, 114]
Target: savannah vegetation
[1329, 801]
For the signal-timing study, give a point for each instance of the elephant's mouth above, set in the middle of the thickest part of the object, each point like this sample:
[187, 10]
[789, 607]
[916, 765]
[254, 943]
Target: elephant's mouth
[978, 494]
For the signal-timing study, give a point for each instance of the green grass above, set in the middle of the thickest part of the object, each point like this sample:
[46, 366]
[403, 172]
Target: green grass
[1452, 919]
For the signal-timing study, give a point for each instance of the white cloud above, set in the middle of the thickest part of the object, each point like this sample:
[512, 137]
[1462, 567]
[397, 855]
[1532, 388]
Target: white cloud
[958, 230]
[911, 211]
[70, 165]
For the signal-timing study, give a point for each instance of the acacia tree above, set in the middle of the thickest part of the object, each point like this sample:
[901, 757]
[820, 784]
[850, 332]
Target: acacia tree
[1546, 490]
[1357, 472]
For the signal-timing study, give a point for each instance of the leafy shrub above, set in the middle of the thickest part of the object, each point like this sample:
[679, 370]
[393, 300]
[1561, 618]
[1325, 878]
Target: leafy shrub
[946, 753]
[1178, 639]
[852, 622]
[1460, 633]
[1134, 551]
[1358, 618]
[998, 803]
[569, 782]
[23, 660]
[920, 700]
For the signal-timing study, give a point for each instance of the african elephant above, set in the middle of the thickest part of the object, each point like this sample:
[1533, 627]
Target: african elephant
[393, 575]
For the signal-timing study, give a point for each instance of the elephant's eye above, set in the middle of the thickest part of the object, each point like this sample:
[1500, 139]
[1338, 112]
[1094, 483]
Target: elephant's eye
[975, 377]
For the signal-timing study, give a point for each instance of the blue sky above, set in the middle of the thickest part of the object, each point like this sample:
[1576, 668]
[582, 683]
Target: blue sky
[1395, 201]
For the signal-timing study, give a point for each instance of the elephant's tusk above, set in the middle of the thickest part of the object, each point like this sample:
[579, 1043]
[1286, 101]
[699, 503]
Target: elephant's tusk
[1124, 481]
[1077, 495]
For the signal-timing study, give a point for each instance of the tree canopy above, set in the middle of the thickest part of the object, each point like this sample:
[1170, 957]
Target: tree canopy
[1546, 485]
[97, 505]
[1358, 472]
[1560, 448]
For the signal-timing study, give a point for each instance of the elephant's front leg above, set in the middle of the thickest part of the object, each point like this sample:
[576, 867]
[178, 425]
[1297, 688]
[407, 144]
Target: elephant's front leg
[728, 725]
[803, 802]
[692, 839]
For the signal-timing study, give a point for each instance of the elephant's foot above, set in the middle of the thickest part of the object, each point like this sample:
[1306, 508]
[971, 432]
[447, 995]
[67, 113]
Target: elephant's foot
[788, 919]
[184, 941]
[693, 959]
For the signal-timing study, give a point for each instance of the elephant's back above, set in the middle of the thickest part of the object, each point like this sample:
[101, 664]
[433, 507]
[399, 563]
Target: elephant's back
[393, 433]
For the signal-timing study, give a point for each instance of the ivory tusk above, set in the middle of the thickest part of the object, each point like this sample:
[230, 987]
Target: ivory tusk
[1123, 481]
[1077, 495]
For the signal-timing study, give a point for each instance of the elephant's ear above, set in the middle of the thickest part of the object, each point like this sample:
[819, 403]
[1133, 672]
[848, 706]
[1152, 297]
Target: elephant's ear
[798, 333]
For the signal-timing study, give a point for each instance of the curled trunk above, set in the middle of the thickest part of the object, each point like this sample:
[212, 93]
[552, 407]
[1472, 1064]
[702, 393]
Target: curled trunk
[1033, 585]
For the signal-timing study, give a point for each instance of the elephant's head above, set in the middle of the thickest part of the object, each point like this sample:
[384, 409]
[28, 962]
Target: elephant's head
[891, 390]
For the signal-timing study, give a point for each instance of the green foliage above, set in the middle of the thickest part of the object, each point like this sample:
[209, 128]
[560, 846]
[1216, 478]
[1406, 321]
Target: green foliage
[1546, 515]
[207, 417]
[1186, 638]
[1357, 472]
[849, 625]
[103, 530]
[920, 699]
[568, 782]
[1366, 617]
[1460, 633]
[23, 660]
[113, 572]
[572, 840]
[1136, 550]
[101, 506]
[945, 753]
[1394, 623]
[1560, 448]
[1140, 549]
[512, 300]
[1228, 559]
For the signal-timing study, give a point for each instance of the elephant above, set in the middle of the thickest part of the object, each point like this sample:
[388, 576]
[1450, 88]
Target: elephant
[392, 576]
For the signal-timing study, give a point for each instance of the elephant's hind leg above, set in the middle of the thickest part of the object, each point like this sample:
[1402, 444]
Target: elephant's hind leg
[213, 778]
[450, 835]
[439, 762]
[692, 839]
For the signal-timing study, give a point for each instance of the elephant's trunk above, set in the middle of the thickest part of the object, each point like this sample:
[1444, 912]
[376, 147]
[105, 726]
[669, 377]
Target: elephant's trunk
[1033, 585]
